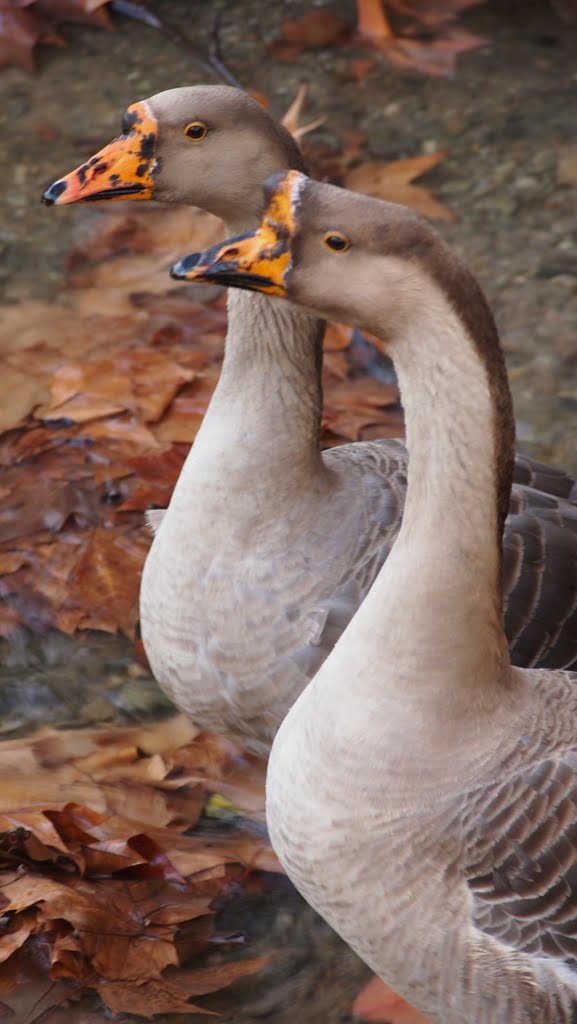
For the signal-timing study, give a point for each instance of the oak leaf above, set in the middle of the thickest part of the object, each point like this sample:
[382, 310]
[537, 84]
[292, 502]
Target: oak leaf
[172, 993]
[99, 859]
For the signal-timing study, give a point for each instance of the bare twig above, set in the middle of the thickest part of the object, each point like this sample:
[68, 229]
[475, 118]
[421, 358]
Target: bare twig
[214, 55]
[140, 12]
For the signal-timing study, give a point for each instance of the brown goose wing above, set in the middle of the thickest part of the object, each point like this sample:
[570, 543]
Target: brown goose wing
[540, 579]
[548, 479]
[523, 872]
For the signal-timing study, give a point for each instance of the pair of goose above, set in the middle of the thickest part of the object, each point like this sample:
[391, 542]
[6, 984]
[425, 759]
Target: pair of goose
[421, 791]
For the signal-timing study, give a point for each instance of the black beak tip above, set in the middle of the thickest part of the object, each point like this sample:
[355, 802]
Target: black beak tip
[53, 192]
[179, 270]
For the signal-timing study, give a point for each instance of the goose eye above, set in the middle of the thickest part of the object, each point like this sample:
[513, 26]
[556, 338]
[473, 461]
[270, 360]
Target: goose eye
[336, 241]
[195, 130]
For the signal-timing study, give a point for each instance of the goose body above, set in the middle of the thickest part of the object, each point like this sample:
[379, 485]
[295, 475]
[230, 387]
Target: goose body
[422, 792]
[268, 545]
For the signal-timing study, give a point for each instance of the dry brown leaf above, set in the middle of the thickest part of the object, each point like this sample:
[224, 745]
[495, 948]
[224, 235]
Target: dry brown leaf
[122, 377]
[21, 393]
[355, 404]
[26, 23]
[20, 31]
[316, 29]
[393, 182]
[137, 380]
[84, 12]
[171, 995]
[337, 337]
[433, 56]
[361, 67]
[14, 935]
[99, 859]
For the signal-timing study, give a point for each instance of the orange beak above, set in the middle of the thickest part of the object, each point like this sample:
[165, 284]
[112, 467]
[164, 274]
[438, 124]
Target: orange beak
[258, 261]
[122, 170]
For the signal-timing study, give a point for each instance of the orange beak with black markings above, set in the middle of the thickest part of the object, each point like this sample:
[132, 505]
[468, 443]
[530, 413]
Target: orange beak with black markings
[258, 261]
[122, 170]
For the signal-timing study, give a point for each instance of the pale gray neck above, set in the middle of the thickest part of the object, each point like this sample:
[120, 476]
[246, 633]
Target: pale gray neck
[264, 415]
[438, 602]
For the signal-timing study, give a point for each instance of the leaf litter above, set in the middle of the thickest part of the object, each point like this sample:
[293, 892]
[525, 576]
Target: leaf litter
[105, 387]
[106, 886]
[415, 34]
[107, 881]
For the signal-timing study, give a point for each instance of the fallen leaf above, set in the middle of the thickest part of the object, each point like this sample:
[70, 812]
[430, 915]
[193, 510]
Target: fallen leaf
[356, 404]
[101, 397]
[15, 932]
[20, 31]
[316, 29]
[361, 67]
[434, 56]
[99, 859]
[138, 380]
[393, 182]
[171, 994]
[84, 12]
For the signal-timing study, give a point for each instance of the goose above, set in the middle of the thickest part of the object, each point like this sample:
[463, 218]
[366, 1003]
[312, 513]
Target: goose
[269, 545]
[422, 791]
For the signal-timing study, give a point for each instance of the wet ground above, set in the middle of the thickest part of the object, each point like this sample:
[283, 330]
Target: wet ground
[507, 121]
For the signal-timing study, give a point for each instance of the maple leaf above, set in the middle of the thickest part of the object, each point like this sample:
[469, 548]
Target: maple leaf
[378, 1003]
[434, 56]
[393, 182]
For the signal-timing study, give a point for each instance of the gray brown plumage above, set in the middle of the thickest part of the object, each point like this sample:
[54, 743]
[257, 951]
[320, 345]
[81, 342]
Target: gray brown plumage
[268, 547]
[422, 792]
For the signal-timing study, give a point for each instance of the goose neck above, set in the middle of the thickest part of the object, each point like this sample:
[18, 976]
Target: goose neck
[266, 409]
[443, 578]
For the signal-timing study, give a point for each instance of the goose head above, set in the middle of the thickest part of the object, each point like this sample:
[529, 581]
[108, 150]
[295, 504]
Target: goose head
[207, 146]
[340, 256]
[376, 266]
